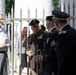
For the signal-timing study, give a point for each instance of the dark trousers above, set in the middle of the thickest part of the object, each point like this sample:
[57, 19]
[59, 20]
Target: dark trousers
[52, 73]
[3, 63]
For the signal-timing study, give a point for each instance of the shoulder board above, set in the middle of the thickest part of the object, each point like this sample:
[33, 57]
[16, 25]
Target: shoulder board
[62, 32]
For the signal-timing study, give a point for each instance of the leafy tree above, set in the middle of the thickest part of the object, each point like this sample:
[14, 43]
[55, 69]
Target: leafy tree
[8, 5]
[56, 4]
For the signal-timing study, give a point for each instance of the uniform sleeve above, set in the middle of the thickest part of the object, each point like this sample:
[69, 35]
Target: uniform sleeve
[50, 56]
[28, 45]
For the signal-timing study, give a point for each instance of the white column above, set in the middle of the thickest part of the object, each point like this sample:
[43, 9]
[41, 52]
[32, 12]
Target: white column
[62, 5]
[48, 7]
[2, 7]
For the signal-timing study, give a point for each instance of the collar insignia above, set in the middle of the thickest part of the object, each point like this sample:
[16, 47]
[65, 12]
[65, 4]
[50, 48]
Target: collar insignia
[62, 32]
[53, 43]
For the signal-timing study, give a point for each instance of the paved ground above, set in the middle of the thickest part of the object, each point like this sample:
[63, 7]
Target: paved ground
[24, 72]
[21, 74]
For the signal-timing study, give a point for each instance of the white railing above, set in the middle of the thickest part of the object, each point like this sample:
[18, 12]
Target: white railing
[11, 25]
[69, 6]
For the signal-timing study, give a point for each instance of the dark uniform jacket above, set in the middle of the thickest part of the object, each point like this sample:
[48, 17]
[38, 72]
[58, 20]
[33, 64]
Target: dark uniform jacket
[66, 51]
[50, 57]
[37, 40]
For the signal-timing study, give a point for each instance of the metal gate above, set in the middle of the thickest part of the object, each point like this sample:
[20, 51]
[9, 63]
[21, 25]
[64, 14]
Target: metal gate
[69, 6]
[10, 27]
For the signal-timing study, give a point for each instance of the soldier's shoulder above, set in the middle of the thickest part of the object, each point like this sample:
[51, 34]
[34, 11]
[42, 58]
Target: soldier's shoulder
[31, 35]
[43, 32]
[62, 32]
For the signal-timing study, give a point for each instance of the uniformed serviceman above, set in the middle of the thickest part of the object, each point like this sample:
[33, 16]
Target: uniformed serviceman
[35, 43]
[4, 43]
[50, 58]
[66, 44]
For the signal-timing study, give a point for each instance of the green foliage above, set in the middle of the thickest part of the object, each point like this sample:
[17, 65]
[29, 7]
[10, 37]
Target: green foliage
[8, 5]
[56, 4]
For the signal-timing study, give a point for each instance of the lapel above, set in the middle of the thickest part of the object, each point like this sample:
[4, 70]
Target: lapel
[50, 34]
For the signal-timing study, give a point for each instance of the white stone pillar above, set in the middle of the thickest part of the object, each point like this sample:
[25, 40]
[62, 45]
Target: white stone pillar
[2, 7]
[62, 5]
[48, 7]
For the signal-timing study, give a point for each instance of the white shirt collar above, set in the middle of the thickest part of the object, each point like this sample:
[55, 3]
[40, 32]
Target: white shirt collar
[63, 27]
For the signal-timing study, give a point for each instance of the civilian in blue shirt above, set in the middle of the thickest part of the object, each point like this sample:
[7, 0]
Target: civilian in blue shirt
[4, 44]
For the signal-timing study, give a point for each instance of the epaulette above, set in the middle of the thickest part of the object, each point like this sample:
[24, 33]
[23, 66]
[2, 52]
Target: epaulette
[62, 32]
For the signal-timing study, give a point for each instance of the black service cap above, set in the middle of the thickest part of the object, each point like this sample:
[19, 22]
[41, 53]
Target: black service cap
[34, 22]
[59, 15]
[49, 18]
